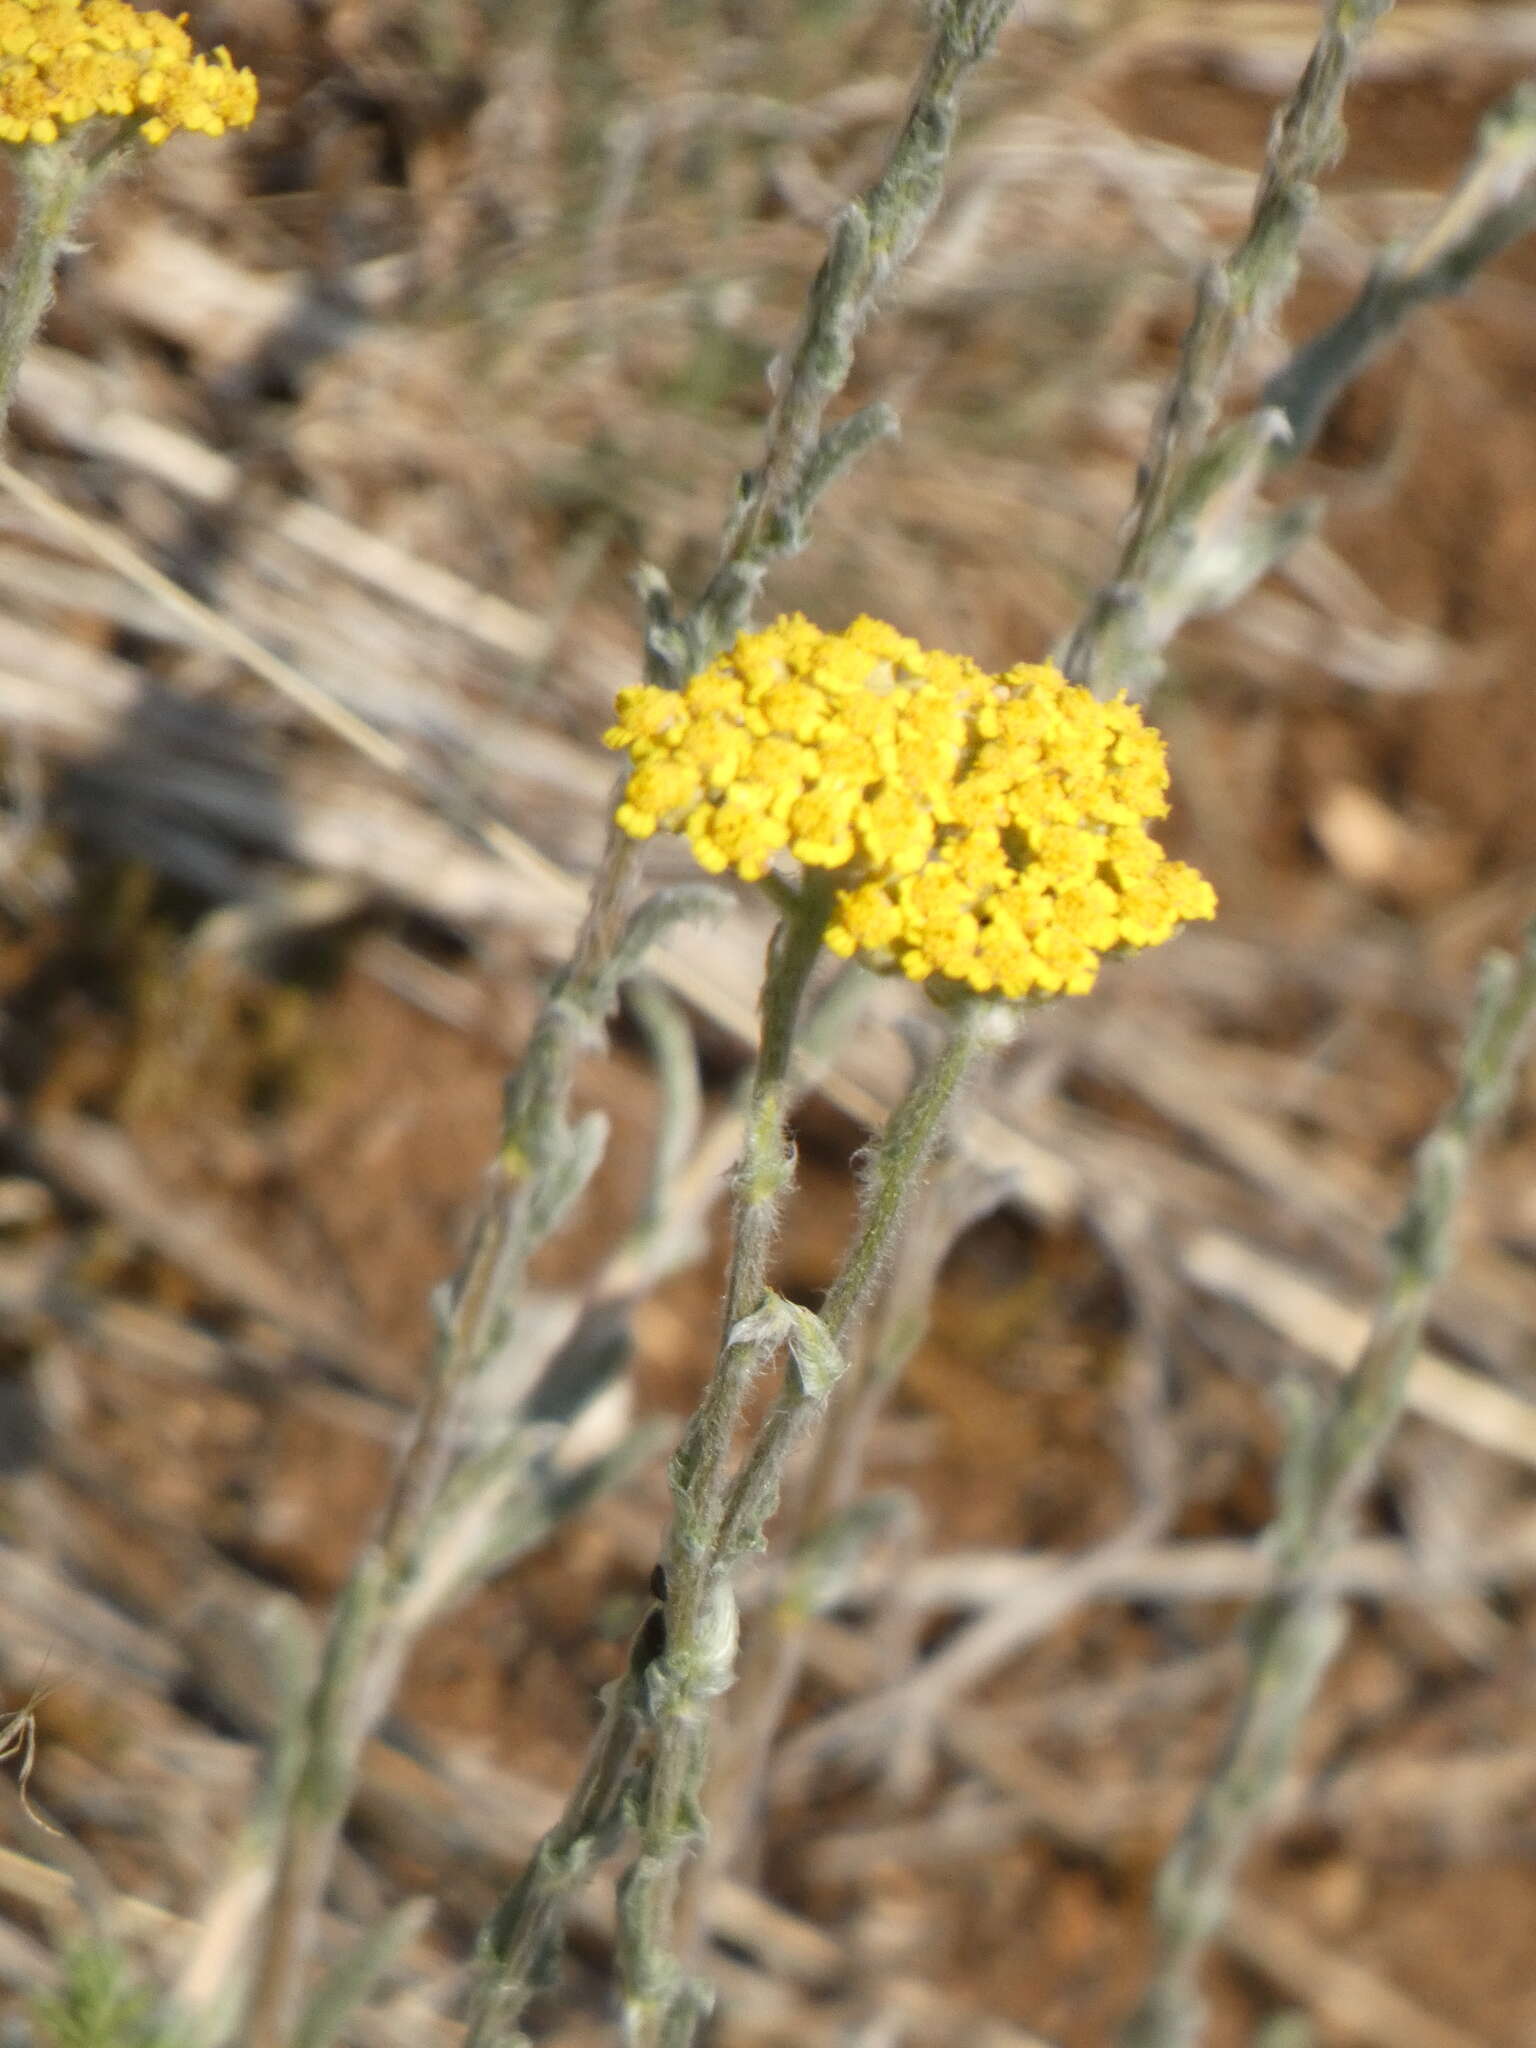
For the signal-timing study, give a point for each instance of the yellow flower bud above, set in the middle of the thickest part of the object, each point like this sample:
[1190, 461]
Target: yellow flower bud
[989, 831]
[67, 61]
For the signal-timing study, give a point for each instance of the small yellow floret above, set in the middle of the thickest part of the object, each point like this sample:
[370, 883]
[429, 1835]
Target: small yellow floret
[67, 61]
[990, 831]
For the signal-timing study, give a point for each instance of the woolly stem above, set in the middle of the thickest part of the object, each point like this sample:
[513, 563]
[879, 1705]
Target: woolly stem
[700, 1605]
[53, 184]
[1296, 1628]
[893, 1176]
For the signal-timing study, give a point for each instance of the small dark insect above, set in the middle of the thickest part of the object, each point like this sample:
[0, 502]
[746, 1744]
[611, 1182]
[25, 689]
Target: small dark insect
[650, 1643]
[659, 1582]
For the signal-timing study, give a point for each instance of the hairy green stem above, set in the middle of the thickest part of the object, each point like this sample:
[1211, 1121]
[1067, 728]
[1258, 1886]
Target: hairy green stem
[1195, 544]
[523, 1934]
[1493, 204]
[53, 182]
[904, 1150]
[1296, 1628]
[662, 2004]
[870, 240]
[700, 1607]
[673, 1670]
[893, 1175]
[826, 1528]
[1235, 297]
[702, 1465]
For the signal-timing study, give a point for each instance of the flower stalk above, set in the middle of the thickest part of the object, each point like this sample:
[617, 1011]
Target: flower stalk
[895, 1171]
[700, 1610]
[701, 1466]
[719, 1520]
[52, 186]
[828, 1529]
[516, 1943]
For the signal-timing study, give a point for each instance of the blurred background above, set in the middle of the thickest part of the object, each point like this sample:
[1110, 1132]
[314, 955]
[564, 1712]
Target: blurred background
[403, 387]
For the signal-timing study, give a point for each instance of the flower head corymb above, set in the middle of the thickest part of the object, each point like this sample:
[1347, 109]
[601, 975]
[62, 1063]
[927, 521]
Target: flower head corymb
[988, 832]
[67, 61]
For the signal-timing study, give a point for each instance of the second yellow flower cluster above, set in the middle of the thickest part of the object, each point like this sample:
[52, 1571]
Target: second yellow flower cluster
[991, 830]
[67, 61]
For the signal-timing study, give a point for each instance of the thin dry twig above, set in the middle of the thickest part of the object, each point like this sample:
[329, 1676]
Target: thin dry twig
[18, 1739]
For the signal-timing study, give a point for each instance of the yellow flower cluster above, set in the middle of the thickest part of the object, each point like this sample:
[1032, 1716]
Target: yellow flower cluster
[988, 831]
[66, 61]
